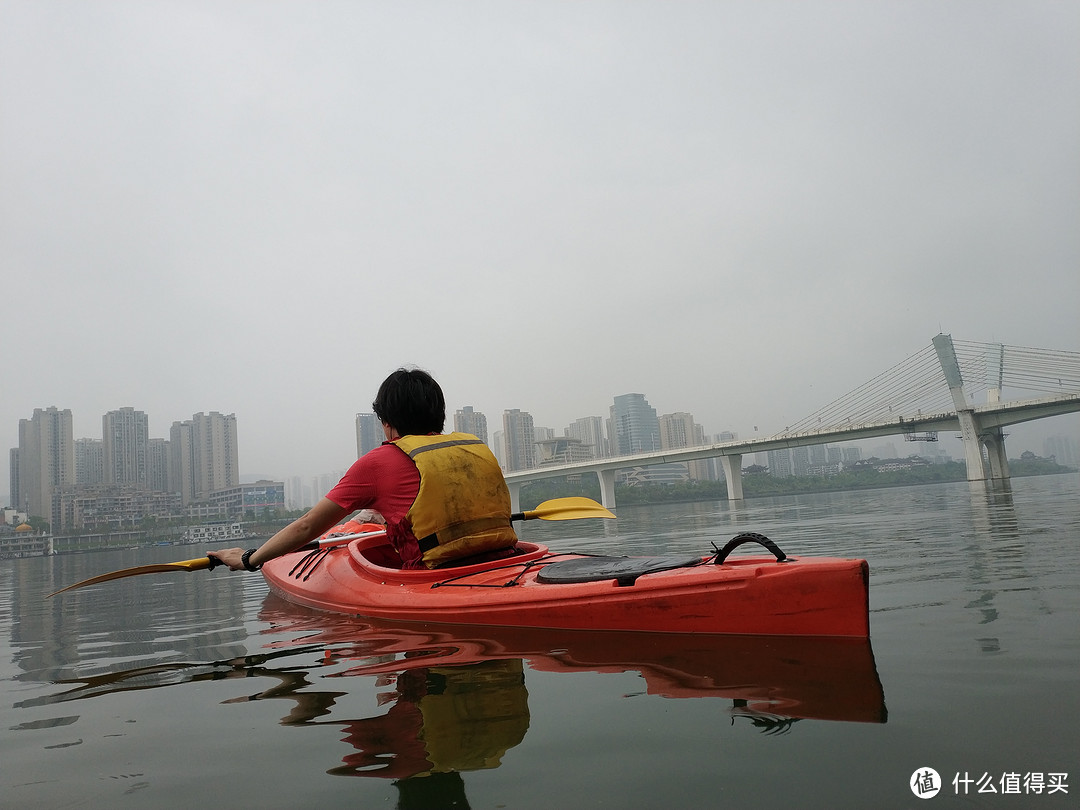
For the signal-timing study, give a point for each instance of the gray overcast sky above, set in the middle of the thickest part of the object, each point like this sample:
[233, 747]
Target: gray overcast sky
[739, 209]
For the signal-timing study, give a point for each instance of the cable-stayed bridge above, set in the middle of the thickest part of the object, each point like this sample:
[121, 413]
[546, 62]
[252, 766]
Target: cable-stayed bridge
[974, 388]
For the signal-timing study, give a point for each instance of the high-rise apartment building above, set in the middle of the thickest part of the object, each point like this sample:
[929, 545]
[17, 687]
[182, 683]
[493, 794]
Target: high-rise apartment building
[89, 462]
[519, 440]
[800, 460]
[204, 456]
[467, 420]
[634, 427]
[297, 494]
[182, 461]
[678, 430]
[217, 456]
[780, 463]
[589, 430]
[46, 460]
[324, 482]
[125, 434]
[157, 465]
[369, 433]
[13, 478]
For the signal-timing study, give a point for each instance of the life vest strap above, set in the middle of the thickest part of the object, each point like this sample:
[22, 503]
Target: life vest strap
[459, 530]
[440, 445]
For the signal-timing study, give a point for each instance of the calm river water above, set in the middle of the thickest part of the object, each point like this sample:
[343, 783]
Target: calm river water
[188, 690]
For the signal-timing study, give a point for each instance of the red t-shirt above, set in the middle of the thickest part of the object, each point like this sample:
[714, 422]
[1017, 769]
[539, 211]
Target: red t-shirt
[386, 480]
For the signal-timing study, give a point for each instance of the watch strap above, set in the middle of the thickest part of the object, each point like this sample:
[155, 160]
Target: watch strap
[245, 560]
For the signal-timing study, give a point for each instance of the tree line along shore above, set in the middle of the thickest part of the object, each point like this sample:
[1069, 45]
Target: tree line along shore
[758, 483]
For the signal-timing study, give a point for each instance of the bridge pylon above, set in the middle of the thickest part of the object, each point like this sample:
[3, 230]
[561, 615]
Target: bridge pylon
[973, 438]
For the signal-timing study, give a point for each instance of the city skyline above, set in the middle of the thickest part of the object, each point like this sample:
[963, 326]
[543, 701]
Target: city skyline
[56, 476]
[585, 428]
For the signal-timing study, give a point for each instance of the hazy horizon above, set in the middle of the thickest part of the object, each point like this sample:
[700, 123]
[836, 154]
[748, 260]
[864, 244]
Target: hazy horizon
[1021, 437]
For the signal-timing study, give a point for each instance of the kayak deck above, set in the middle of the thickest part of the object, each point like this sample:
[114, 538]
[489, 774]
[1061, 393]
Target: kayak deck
[755, 595]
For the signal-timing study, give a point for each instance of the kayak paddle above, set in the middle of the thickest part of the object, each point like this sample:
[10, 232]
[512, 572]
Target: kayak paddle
[158, 568]
[202, 563]
[565, 509]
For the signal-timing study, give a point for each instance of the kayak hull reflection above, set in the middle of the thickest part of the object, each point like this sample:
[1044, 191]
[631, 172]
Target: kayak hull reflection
[765, 676]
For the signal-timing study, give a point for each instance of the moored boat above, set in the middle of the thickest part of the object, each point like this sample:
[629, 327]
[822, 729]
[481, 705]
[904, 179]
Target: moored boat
[716, 593]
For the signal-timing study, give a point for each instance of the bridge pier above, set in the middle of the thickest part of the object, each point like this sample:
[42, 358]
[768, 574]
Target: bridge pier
[733, 473]
[607, 488]
[515, 496]
[969, 437]
[994, 442]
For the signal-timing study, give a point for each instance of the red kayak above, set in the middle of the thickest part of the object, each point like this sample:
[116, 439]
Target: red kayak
[717, 593]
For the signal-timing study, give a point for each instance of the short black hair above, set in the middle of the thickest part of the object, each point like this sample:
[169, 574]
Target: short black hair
[411, 402]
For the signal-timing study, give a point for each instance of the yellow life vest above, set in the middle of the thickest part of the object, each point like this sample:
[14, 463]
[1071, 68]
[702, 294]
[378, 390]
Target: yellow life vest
[463, 506]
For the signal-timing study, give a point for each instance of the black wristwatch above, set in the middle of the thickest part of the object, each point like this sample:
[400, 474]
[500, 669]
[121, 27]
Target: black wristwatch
[245, 560]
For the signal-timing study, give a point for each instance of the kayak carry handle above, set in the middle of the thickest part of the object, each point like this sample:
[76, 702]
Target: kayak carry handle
[750, 537]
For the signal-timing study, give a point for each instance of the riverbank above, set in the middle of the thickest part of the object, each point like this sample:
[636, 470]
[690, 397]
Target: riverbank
[18, 546]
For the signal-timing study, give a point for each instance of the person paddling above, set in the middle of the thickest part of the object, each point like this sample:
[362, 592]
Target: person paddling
[442, 495]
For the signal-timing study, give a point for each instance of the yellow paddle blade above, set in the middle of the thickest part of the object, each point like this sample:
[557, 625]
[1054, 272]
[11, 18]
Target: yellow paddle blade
[567, 509]
[158, 568]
